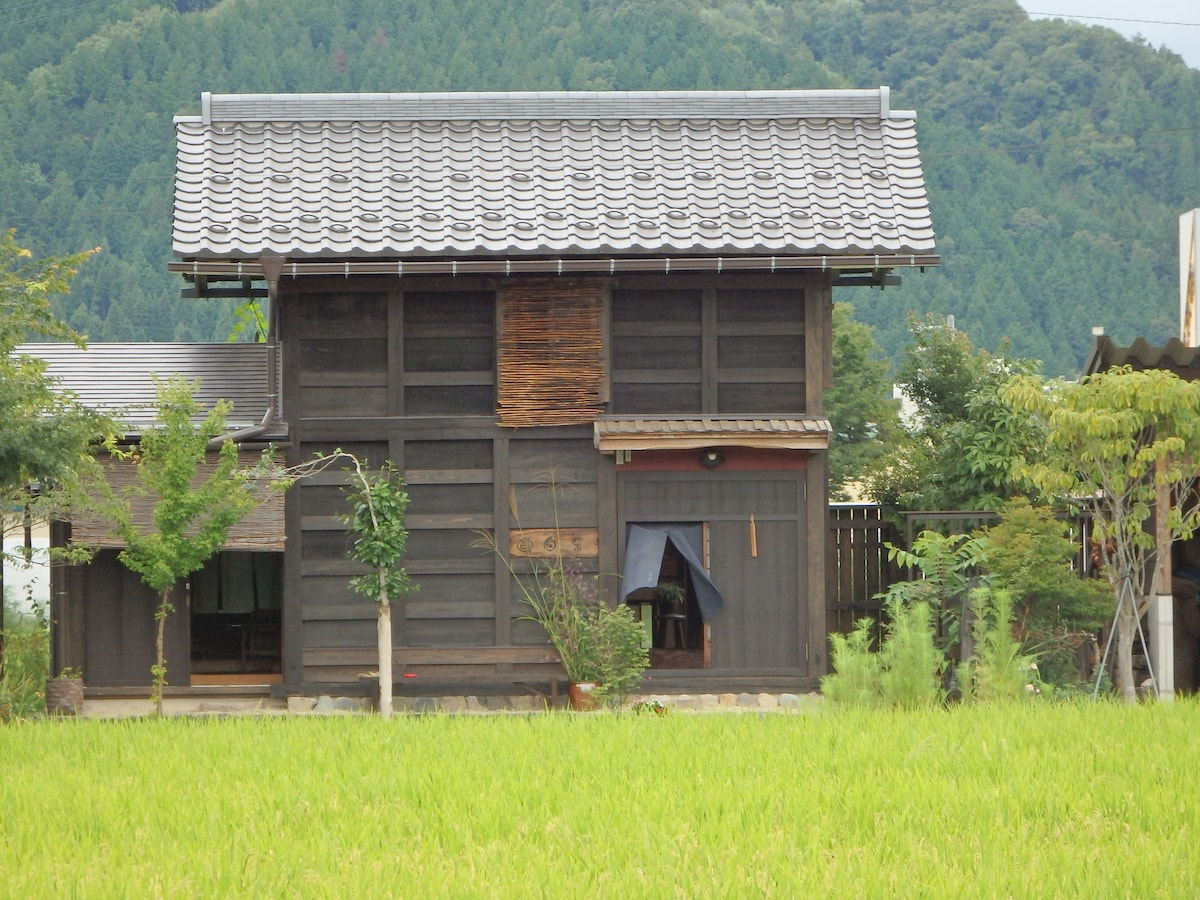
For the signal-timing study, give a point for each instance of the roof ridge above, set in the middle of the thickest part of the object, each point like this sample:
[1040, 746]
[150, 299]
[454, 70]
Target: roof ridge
[448, 106]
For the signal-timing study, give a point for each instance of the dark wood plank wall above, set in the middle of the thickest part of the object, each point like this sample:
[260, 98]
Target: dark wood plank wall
[405, 369]
[116, 618]
[683, 344]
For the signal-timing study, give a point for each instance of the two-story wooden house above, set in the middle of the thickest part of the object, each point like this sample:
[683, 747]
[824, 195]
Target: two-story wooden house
[627, 292]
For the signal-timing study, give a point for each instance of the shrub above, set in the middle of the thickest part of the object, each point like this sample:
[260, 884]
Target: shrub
[856, 669]
[998, 669]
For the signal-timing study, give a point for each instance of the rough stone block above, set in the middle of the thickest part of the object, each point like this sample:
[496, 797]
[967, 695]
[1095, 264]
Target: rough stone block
[726, 700]
[747, 700]
[768, 701]
[424, 704]
[790, 702]
[454, 704]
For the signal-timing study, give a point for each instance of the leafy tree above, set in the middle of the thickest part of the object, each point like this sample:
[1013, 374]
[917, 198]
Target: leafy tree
[859, 404]
[963, 442]
[1118, 444]
[1030, 556]
[44, 433]
[378, 503]
[193, 510]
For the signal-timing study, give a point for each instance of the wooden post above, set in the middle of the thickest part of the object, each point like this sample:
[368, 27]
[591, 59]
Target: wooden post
[1162, 609]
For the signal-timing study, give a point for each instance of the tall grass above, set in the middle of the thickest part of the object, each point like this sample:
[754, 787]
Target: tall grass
[1001, 800]
[25, 665]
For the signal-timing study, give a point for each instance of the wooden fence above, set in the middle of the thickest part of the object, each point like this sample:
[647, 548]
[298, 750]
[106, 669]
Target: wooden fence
[858, 566]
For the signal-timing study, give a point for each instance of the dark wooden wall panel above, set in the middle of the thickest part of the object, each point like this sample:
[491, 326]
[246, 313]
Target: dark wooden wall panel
[343, 401]
[119, 644]
[760, 626]
[325, 357]
[761, 399]
[463, 454]
[450, 633]
[762, 352]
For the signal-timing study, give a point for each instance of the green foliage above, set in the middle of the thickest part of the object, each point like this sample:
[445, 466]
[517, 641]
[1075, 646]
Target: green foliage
[998, 669]
[249, 320]
[1031, 557]
[379, 503]
[1118, 443]
[962, 449]
[856, 668]
[910, 665]
[905, 673]
[877, 803]
[950, 565]
[45, 432]
[192, 510]
[595, 641]
[25, 665]
[859, 404]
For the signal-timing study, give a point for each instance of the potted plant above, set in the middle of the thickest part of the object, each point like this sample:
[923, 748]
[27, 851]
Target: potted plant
[64, 693]
[670, 597]
[600, 646]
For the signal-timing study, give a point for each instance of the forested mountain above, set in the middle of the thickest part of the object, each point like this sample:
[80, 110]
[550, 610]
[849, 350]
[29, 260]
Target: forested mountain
[1059, 156]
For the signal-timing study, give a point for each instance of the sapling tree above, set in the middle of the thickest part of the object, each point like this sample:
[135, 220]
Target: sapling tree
[378, 503]
[1120, 444]
[193, 509]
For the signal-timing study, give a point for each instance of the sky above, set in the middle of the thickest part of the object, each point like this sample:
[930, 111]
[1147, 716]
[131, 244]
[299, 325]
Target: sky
[1181, 33]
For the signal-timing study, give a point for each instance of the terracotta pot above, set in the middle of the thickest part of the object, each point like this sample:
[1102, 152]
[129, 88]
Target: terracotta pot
[580, 696]
[64, 696]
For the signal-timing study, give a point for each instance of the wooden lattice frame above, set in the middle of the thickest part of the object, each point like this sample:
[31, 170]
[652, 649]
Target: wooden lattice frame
[550, 352]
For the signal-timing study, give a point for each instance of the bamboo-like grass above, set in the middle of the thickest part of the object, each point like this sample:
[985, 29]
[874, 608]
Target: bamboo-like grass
[994, 801]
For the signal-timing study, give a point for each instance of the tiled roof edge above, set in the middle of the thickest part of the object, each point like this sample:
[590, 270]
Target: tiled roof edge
[874, 103]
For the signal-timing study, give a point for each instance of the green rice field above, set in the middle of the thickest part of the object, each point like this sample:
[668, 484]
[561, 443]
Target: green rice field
[1094, 800]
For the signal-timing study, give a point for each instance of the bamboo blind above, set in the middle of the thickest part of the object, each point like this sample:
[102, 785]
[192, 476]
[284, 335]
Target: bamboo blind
[262, 529]
[551, 352]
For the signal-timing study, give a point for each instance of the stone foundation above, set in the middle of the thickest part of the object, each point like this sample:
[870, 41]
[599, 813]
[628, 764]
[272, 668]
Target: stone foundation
[325, 705]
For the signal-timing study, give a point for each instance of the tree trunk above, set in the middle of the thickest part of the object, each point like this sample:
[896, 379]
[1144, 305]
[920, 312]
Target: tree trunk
[1123, 676]
[385, 656]
[159, 672]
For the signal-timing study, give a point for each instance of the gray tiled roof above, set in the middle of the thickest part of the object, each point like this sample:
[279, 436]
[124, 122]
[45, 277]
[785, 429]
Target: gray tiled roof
[415, 176]
[116, 378]
[1141, 354]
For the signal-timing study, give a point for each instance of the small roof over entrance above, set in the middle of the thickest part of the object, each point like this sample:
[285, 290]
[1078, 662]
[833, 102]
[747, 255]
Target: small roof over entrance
[615, 433]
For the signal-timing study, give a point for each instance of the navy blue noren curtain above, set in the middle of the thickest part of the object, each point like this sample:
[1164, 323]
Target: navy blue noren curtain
[644, 548]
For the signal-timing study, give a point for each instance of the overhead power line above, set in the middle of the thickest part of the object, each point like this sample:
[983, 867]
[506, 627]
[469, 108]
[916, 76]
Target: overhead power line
[1058, 15]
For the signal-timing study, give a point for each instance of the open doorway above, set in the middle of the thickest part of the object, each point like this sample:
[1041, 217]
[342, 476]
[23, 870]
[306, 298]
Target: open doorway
[665, 578]
[670, 615]
[236, 624]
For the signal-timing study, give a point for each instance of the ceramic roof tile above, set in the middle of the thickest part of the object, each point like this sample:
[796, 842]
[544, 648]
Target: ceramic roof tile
[425, 175]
